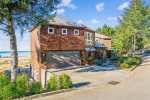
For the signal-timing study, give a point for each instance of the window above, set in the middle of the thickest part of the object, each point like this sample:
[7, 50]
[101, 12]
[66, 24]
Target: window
[89, 38]
[76, 32]
[64, 31]
[51, 30]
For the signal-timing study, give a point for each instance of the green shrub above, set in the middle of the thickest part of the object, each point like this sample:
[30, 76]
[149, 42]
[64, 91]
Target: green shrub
[53, 84]
[36, 87]
[5, 87]
[21, 86]
[65, 81]
[124, 65]
[4, 80]
[133, 60]
[97, 62]
[89, 58]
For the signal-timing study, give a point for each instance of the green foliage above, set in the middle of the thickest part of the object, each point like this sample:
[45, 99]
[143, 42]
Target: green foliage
[20, 86]
[97, 62]
[53, 84]
[134, 23]
[89, 58]
[5, 87]
[124, 66]
[36, 87]
[133, 61]
[65, 81]
[98, 30]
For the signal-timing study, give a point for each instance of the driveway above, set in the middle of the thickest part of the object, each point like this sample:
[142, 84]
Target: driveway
[135, 87]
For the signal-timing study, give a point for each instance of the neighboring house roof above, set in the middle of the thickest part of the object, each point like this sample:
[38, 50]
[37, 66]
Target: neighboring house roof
[101, 36]
[99, 45]
[63, 22]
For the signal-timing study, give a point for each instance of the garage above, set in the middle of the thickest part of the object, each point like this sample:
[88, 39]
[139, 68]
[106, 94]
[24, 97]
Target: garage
[62, 59]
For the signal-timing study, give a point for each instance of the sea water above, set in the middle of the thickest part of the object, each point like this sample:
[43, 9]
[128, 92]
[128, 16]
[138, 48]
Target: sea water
[20, 53]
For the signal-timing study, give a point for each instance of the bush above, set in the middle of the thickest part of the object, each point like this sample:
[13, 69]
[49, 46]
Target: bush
[124, 65]
[97, 62]
[21, 86]
[5, 87]
[36, 87]
[53, 84]
[133, 60]
[65, 81]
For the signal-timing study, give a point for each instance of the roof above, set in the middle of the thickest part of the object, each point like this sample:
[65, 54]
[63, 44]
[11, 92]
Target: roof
[90, 49]
[101, 36]
[99, 45]
[63, 22]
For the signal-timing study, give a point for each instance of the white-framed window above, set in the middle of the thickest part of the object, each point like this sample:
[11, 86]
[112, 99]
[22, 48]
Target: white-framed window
[64, 31]
[50, 30]
[76, 32]
[89, 40]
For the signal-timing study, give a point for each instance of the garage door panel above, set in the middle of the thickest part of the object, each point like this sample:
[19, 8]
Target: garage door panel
[63, 59]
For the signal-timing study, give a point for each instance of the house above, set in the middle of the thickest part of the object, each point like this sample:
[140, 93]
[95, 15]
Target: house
[59, 44]
[100, 38]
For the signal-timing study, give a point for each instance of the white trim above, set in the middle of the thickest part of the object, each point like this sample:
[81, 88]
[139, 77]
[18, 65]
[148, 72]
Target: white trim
[52, 29]
[89, 38]
[64, 29]
[77, 31]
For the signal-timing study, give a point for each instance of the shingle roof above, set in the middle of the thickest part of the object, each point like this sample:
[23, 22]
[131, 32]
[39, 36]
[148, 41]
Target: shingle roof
[63, 22]
[99, 45]
[101, 36]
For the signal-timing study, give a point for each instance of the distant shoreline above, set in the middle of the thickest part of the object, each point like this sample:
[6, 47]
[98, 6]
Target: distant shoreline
[8, 53]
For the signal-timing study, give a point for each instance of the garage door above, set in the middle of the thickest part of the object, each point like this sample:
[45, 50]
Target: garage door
[62, 59]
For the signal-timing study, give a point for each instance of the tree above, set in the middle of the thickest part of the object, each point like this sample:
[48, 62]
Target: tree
[106, 30]
[134, 25]
[98, 30]
[20, 15]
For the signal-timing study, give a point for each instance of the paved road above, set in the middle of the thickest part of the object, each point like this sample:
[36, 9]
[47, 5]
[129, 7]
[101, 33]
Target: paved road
[135, 87]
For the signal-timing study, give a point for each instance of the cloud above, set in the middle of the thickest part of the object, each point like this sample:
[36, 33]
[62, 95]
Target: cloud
[94, 21]
[112, 18]
[60, 11]
[80, 21]
[123, 6]
[68, 3]
[100, 7]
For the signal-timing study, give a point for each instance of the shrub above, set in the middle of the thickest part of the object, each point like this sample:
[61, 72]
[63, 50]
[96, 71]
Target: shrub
[53, 83]
[89, 58]
[21, 86]
[124, 65]
[5, 87]
[133, 60]
[36, 87]
[97, 62]
[65, 81]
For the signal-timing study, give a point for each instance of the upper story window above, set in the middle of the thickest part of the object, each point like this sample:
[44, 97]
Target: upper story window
[76, 32]
[64, 31]
[50, 30]
[89, 38]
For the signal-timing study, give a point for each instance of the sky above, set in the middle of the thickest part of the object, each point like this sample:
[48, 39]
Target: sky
[92, 13]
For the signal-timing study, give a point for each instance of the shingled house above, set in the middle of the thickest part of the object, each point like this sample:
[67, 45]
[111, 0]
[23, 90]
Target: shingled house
[60, 44]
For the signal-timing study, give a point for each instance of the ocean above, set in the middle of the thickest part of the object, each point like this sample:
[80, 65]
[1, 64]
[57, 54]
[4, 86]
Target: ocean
[20, 53]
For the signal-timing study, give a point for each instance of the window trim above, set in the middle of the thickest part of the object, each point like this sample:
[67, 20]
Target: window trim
[66, 31]
[52, 29]
[75, 32]
[89, 41]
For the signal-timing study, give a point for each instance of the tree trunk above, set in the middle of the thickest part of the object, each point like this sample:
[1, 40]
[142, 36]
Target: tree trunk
[134, 43]
[13, 48]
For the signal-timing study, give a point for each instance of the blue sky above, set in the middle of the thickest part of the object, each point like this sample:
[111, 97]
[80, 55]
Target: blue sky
[92, 13]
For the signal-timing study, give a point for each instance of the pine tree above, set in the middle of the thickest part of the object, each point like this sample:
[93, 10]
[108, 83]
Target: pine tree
[20, 15]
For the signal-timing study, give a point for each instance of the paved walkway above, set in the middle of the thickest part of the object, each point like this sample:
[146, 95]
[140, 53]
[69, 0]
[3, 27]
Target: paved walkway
[135, 87]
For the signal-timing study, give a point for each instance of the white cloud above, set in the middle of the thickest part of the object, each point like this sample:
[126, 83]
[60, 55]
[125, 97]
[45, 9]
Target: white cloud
[100, 6]
[60, 11]
[112, 18]
[94, 21]
[123, 6]
[68, 3]
[80, 21]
